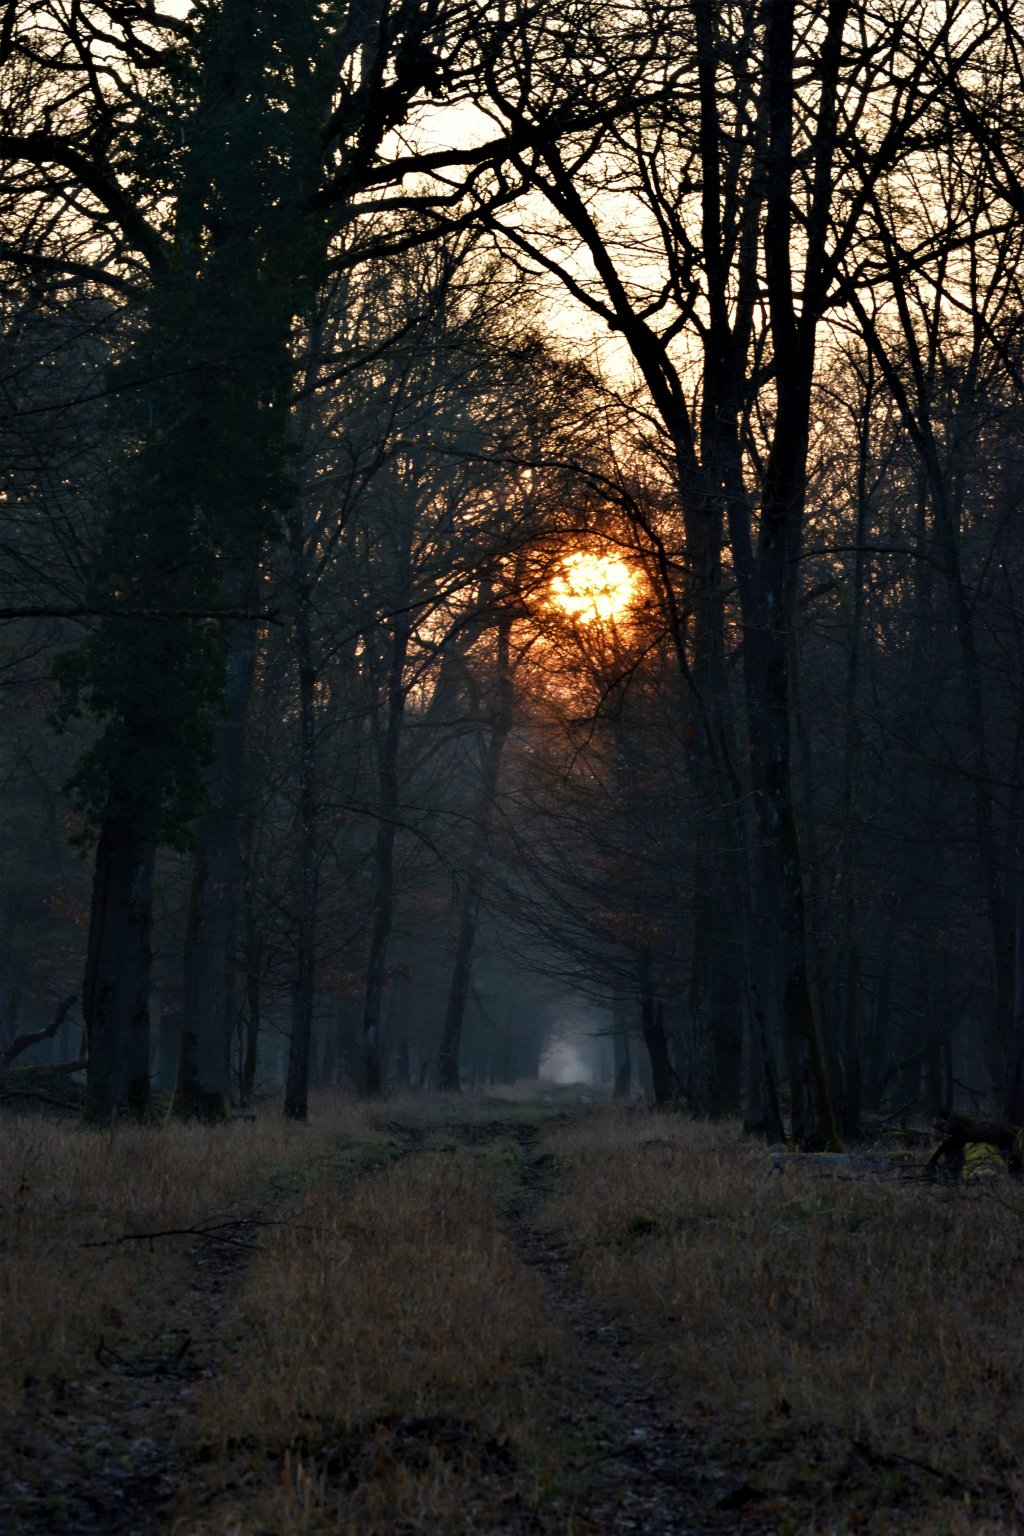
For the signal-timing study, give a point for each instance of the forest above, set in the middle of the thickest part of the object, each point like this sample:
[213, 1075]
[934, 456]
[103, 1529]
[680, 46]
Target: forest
[508, 520]
[508, 576]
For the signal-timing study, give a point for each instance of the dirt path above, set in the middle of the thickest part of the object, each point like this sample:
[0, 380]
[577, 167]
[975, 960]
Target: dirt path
[645, 1471]
[642, 1470]
[114, 1453]
[107, 1454]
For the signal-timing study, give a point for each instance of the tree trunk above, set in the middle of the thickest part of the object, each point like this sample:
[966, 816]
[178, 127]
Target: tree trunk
[771, 605]
[371, 1077]
[115, 998]
[623, 1072]
[458, 987]
[652, 1028]
[469, 904]
[297, 1087]
[700, 1080]
[251, 951]
[203, 1087]
[1014, 1098]
[850, 1045]
[762, 1114]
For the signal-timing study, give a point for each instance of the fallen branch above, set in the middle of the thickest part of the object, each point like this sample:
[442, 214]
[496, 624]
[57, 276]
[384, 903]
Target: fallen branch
[211, 1234]
[35, 1037]
[52, 1084]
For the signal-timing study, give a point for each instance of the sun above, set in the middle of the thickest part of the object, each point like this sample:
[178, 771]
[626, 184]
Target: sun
[592, 587]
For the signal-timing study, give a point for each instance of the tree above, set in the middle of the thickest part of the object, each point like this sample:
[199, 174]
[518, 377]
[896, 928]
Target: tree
[221, 149]
[748, 188]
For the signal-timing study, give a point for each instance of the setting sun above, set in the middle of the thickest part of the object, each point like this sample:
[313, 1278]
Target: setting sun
[590, 587]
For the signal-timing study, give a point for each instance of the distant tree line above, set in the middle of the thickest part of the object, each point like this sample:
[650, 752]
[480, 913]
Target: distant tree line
[295, 445]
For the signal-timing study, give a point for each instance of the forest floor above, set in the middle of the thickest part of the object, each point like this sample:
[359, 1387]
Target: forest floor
[499, 1315]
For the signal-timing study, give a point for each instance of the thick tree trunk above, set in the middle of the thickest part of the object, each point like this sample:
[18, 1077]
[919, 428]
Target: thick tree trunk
[708, 731]
[812, 1116]
[203, 1087]
[770, 605]
[115, 998]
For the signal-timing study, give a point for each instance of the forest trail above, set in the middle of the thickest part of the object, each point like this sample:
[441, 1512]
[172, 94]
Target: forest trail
[486, 1317]
[106, 1449]
[110, 1446]
[640, 1468]
[115, 1444]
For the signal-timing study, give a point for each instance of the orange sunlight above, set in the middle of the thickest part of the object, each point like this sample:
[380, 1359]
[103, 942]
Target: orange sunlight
[590, 587]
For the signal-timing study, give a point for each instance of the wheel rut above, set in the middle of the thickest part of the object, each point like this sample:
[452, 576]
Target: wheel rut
[112, 1451]
[641, 1469]
[115, 1453]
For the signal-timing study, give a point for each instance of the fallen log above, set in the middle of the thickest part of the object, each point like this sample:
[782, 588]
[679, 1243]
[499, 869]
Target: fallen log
[960, 1131]
[52, 1083]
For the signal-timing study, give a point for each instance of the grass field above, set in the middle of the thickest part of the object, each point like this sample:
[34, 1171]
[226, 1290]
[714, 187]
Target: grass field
[478, 1315]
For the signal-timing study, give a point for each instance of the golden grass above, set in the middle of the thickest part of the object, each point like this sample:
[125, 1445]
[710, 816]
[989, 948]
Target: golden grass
[829, 1327]
[394, 1364]
[63, 1187]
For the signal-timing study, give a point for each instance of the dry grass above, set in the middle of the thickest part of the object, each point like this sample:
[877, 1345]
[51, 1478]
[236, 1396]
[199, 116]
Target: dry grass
[387, 1364]
[65, 1187]
[819, 1329]
[395, 1366]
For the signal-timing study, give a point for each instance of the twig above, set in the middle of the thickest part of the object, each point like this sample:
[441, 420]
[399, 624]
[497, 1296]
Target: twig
[897, 1114]
[212, 1234]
